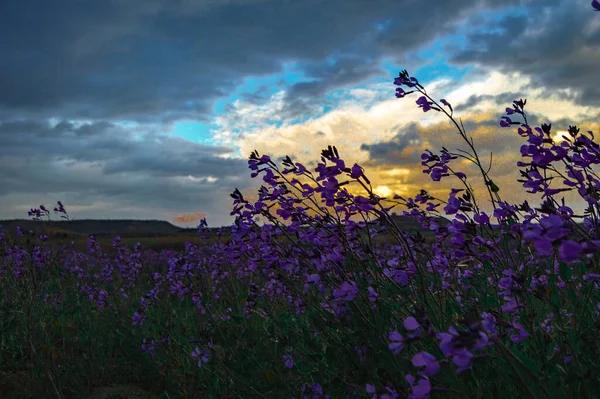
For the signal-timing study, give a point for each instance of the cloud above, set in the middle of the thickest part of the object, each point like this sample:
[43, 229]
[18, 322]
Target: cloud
[90, 88]
[556, 43]
[392, 151]
[189, 218]
[344, 71]
[160, 60]
[105, 165]
[388, 137]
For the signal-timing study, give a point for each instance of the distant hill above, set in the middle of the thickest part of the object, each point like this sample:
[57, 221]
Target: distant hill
[134, 228]
[405, 223]
[74, 228]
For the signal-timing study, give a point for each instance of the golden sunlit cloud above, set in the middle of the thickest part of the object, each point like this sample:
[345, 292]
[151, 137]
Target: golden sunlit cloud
[397, 172]
[558, 136]
[188, 217]
[383, 191]
[395, 132]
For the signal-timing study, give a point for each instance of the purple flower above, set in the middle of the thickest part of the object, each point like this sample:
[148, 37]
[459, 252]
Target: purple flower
[373, 295]
[149, 347]
[443, 101]
[370, 388]
[363, 204]
[462, 359]
[356, 171]
[438, 172]
[570, 251]
[202, 356]
[397, 342]
[482, 218]
[518, 333]
[459, 345]
[137, 319]
[591, 276]
[505, 121]
[511, 306]
[399, 81]
[423, 103]
[392, 394]
[410, 323]
[427, 360]
[489, 322]
[421, 390]
[317, 391]
[347, 291]
[453, 205]
[317, 388]
[289, 362]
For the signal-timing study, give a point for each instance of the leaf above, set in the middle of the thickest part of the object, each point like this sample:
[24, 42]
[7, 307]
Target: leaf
[528, 361]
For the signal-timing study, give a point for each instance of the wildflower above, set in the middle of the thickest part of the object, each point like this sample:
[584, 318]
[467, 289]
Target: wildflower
[347, 291]
[423, 103]
[570, 251]
[289, 362]
[489, 323]
[392, 394]
[505, 121]
[453, 205]
[400, 93]
[317, 390]
[356, 172]
[397, 342]
[421, 389]
[482, 218]
[427, 360]
[138, 319]
[410, 323]
[373, 295]
[202, 356]
[443, 101]
[517, 332]
[363, 204]
[459, 345]
[511, 306]
[370, 388]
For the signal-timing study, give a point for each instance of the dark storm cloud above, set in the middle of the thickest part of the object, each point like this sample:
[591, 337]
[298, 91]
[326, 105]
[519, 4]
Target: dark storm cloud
[346, 71]
[105, 162]
[390, 152]
[261, 94]
[163, 60]
[556, 44]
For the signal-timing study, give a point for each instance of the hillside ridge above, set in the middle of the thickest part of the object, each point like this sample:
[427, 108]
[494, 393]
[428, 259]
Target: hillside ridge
[130, 227]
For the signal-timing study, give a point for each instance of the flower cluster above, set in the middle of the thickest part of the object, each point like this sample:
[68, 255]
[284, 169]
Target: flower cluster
[346, 303]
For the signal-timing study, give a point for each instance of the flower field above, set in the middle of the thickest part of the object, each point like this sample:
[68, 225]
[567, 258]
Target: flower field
[503, 303]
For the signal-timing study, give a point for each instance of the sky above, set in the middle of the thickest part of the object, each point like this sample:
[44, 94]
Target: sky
[149, 109]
